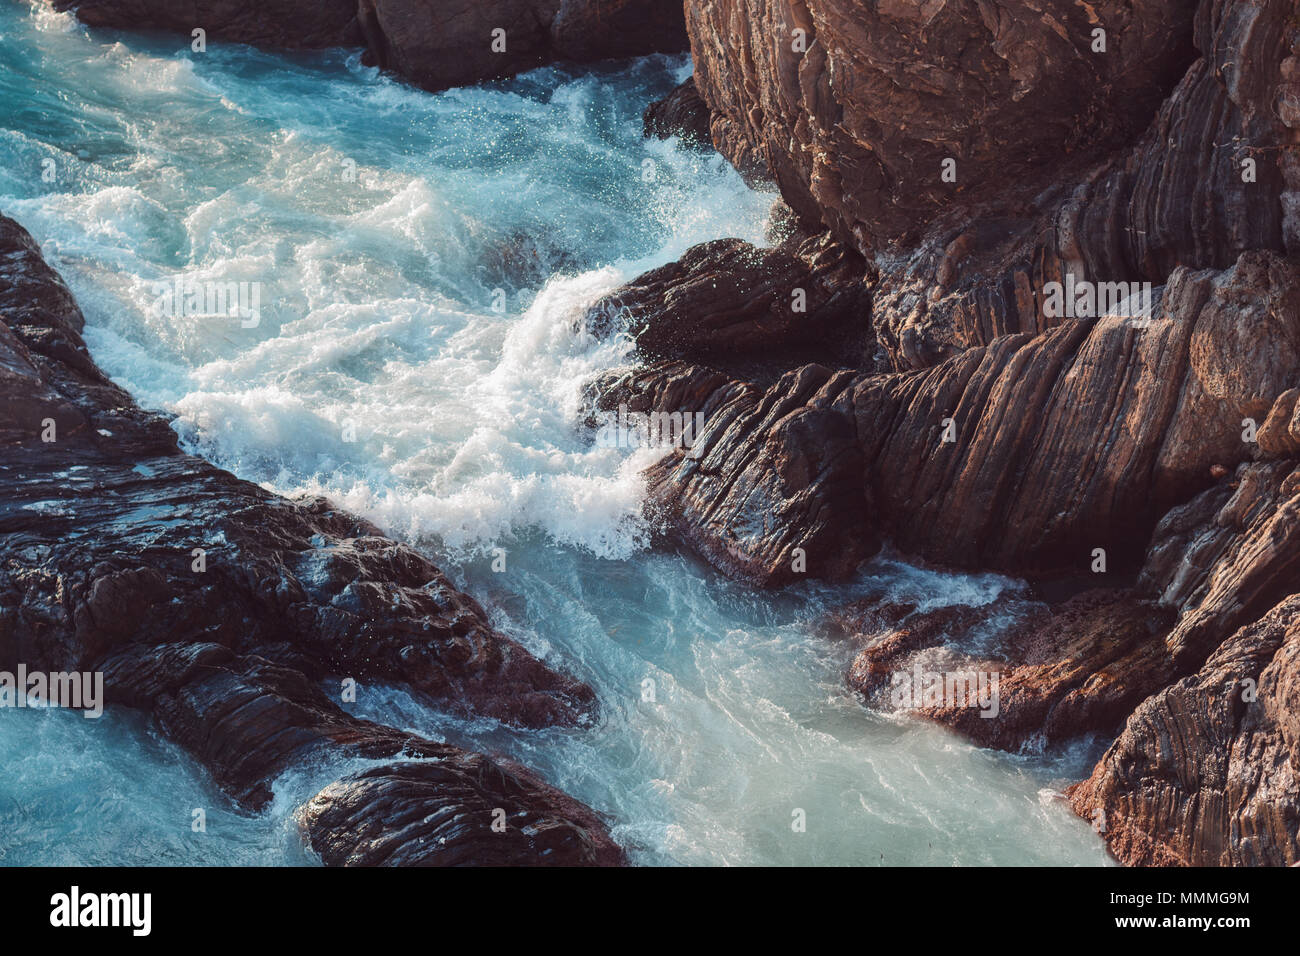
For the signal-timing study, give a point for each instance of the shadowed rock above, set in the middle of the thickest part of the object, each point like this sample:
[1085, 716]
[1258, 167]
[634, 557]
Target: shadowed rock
[216, 606]
[462, 810]
[434, 45]
[681, 113]
[727, 300]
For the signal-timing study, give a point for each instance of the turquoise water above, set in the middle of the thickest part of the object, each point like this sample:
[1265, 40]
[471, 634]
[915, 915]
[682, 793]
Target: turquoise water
[420, 261]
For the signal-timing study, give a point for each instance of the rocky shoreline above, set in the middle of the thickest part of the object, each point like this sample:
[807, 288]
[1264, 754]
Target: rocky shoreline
[947, 170]
[1140, 464]
[223, 610]
[468, 41]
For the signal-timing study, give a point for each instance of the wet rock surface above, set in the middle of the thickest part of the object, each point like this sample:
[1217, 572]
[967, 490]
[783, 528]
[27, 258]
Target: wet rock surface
[382, 817]
[681, 113]
[728, 300]
[434, 45]
[1145, 441]
[220, 608]
[1023, 456]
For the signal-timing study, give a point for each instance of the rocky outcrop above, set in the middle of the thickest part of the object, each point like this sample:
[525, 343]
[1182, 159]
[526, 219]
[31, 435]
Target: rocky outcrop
[1205, 772]
[681, 113]
[726, 300]
[1075, 668]
[460, 810]
[449, 43]
[1024, 456]
[1214, 176]
[854, 109]
[216, 606]
[1141, 443]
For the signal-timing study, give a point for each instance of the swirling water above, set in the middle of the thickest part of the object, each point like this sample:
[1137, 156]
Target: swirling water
[421, 260]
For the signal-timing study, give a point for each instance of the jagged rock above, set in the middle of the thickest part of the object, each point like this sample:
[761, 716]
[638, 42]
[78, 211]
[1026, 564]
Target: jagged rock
[205, 600]
[975, 265]
[1279, 436]
[443, 814]
[727, 299]
[1226, 557]
[1022, 456]
[435, 45]
[1205, 773]
[681, 113]
[771, 488]
[856, 112]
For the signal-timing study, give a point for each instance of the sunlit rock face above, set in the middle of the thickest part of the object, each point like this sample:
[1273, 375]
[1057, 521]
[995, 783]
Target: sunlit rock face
[855, 108]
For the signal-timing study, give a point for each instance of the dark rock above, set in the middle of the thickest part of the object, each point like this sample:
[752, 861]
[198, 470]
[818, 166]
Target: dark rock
[681, 113]
[442, 813]
[727, 299]
[289, 24]
[435, 45]
[214, 605]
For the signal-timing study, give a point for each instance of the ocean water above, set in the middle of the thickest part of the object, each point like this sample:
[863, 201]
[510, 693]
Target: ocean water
[419, 262]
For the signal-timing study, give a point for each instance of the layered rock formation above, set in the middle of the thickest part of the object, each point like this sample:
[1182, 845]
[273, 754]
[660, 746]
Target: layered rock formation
[428, 813]
[435, 45]
[1025, 455]
[223, 610]
[854, 108]
[1140, 439]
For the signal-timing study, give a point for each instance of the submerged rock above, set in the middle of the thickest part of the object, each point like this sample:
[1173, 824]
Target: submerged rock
[216, 606]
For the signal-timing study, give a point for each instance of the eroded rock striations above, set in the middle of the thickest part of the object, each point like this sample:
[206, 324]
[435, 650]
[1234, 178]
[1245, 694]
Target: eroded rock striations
[222, 609]
[1082, 353]
[854, 107]
[433, 44]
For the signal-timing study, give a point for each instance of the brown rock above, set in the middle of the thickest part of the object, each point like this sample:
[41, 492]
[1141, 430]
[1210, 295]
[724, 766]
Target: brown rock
[219, 608]
[442, 814]
[728, 299]
[681, 113]
[1205, 772]
[854, 115]
[1022, 456]
[435, 45]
